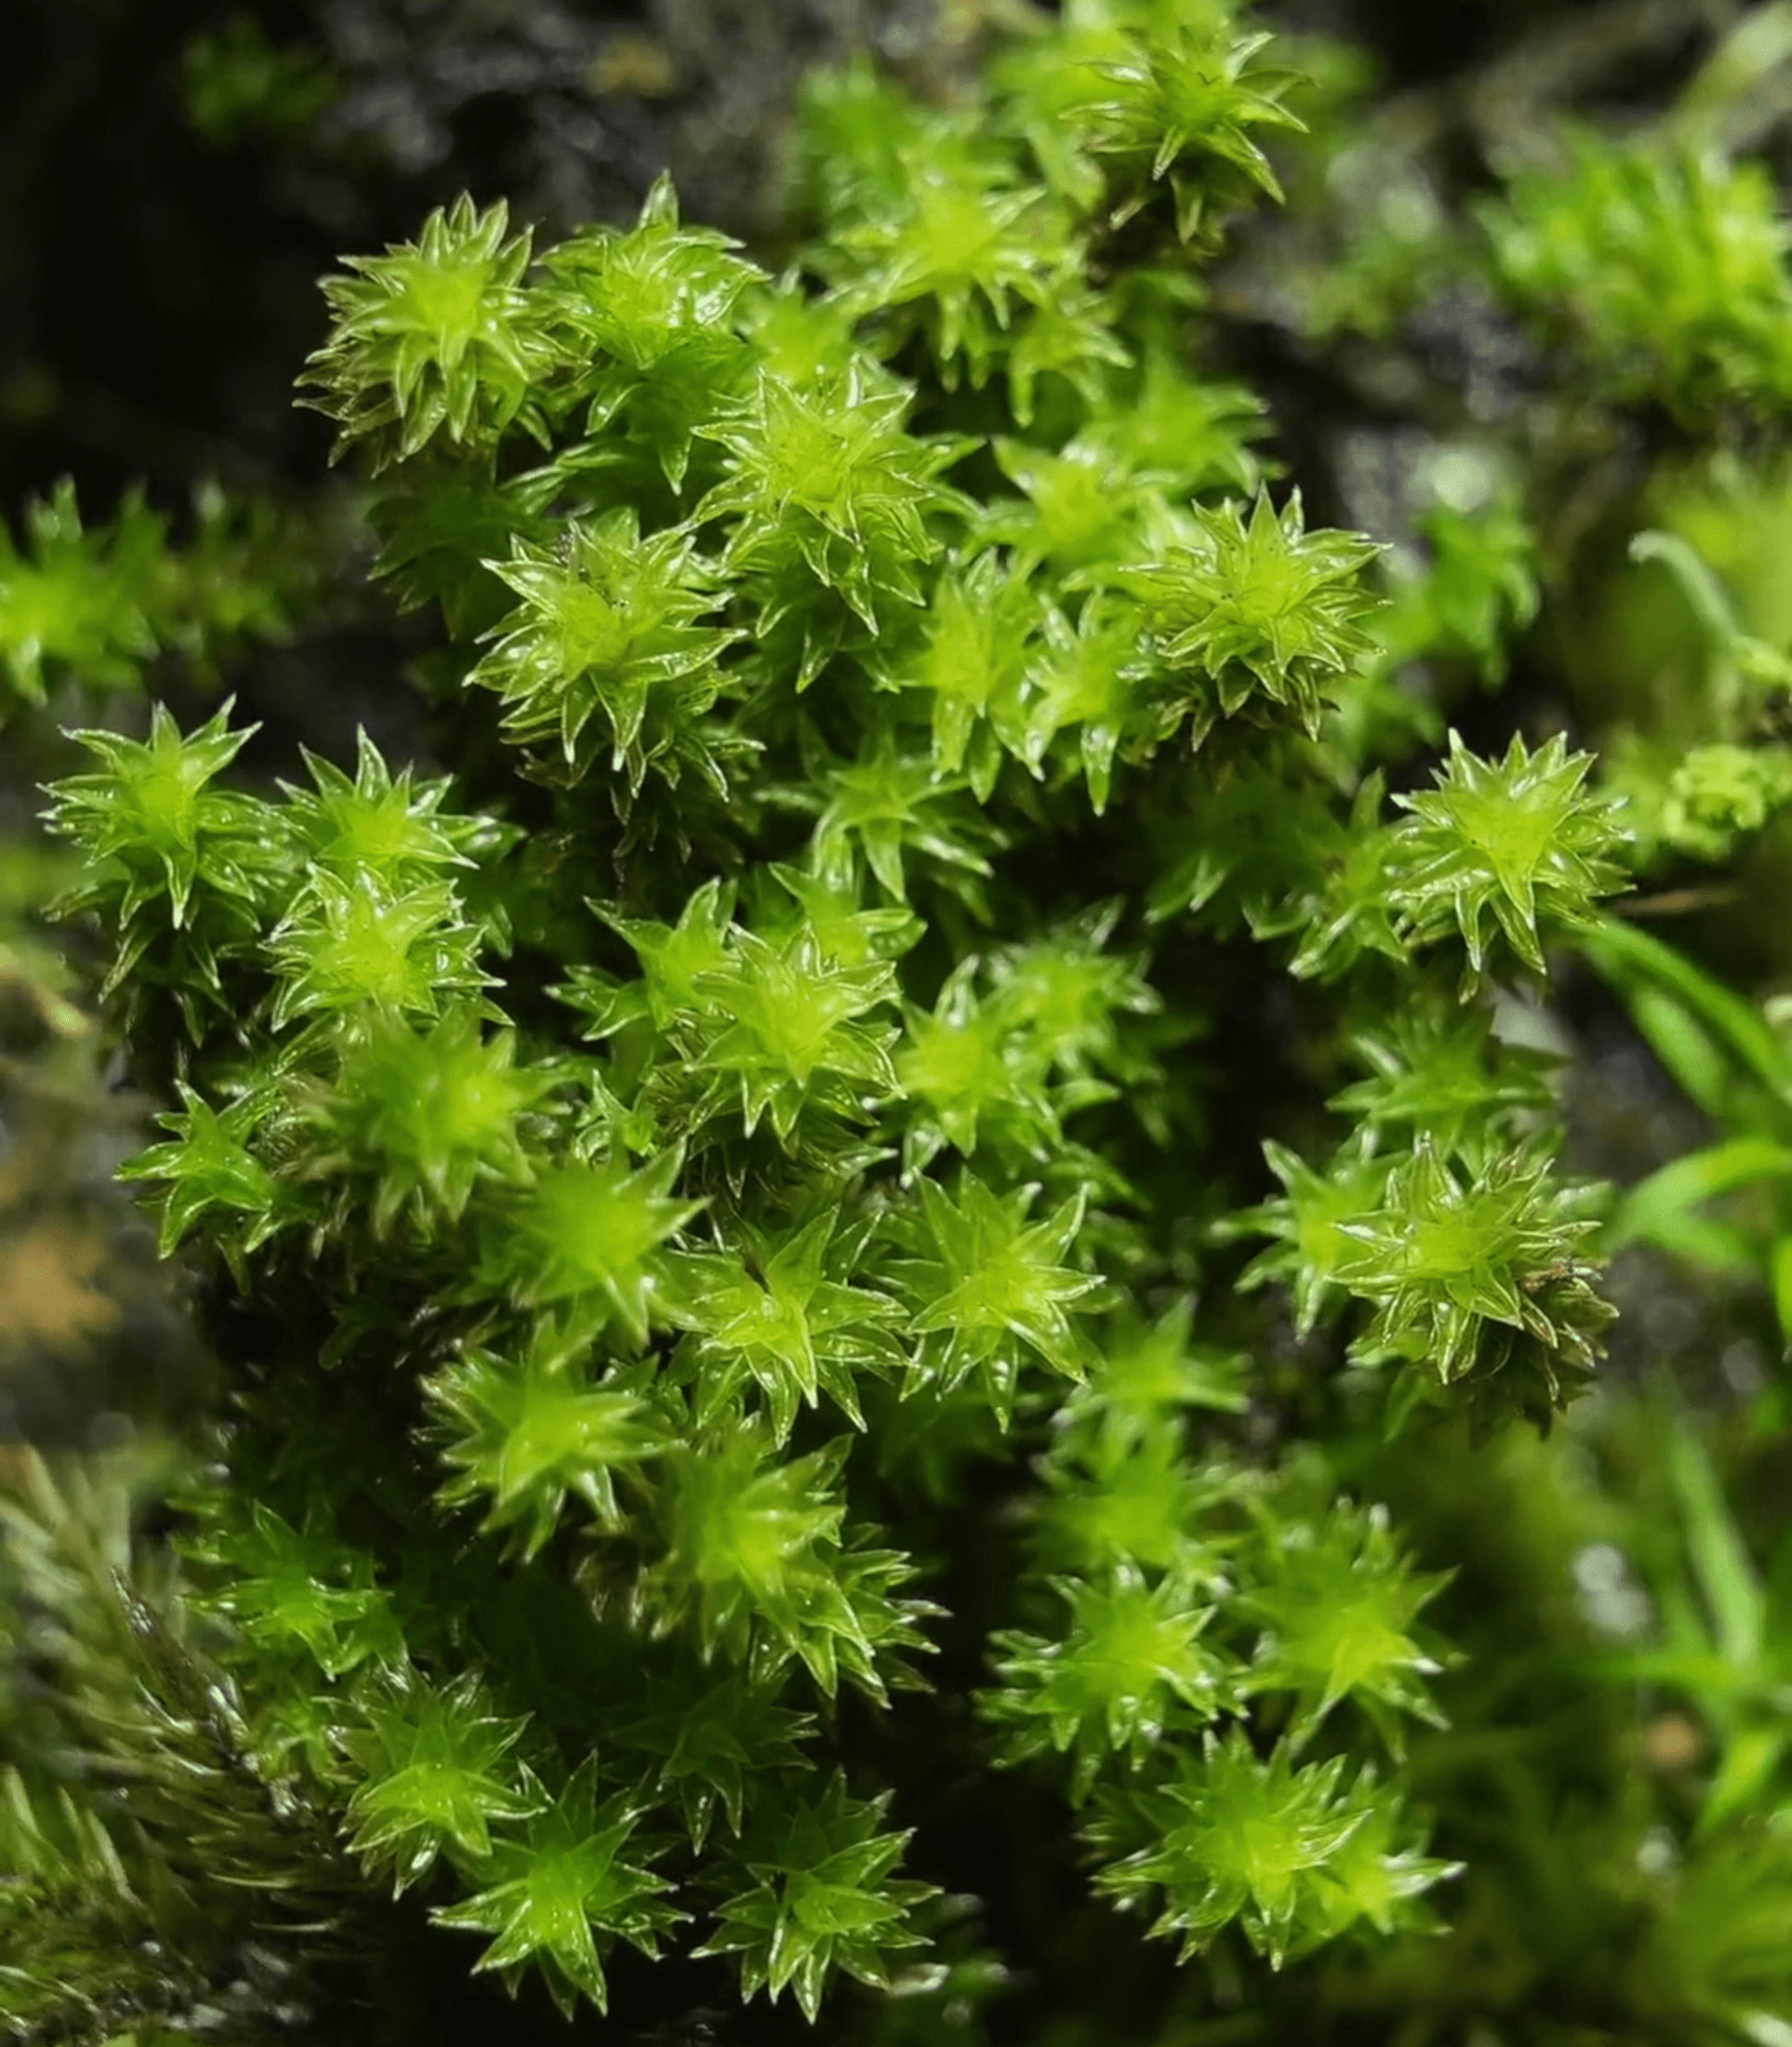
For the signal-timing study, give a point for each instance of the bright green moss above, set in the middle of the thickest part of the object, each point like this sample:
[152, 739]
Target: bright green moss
[907, 1094]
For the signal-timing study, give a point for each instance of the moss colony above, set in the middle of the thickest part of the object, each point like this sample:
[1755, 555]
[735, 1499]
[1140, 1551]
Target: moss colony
[878, 1277]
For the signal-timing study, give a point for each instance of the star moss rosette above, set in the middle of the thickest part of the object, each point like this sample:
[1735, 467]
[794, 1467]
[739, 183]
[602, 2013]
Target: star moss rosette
[968, 1065]
[149, 819]
[1111, 1505]
[414, 1118]
[1306, 1221]
[992, 1289]
[785, 1324]
[588, 1234]
[557, 1892]
[1148, 1373]
[1259, 1843]
[1500, 849]
[526, 1426]
[955, 256]
[652, 309]
[607, 631]
[1439, 1070]
[435, 336]
[1338, 1604]
[208, 1172]
[888, 802]
[792, 1042]
[828, 487]
[345, 946]
[758, 1564]
[1477, 1279]
[710, 1742]
[376, 823]
[1254, 616]
[817, 1900]
[1128, 1670]
[1183, 110]
[976, 638]
[437, 1775]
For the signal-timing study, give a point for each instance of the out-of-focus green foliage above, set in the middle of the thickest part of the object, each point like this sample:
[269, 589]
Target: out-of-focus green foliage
[1667, 268]
[101, 605]
[239, 83]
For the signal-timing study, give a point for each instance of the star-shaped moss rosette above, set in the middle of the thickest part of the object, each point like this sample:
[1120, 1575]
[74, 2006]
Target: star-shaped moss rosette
[788, 1326]
[297, 1589]
[674, 957]
[375, 822]
[346, 945]
[1254, 616]
[1190, 434]
[1377, 1878]
[557, 1884]
[1130, 1669]
[437, 1773]
[1071, 336]
[1437, 1070]
[888, 804]
[651, 310]
[991, 1289]
[1084, 680]
[791, 1036]
[1343, 903]
[826, 490]
[1079, 511]
[526, 1425]
[1148, 1373]
[149, 819]
[844, 931]
[751, 1027]
[973, 1072]
[1112, 1503]
[1261, 1842]
[434, 336]
[758, 1564]
[76, 600]
[1337, 1603]
[975, 640]
[1256, 853]
[1073, 995]
[1182, 108]
[209, 1170]
[414, 1120]
[434, 543]
[1477, 1279]
[818, 1898]
[711, 1742]
[1503, 849]
[587, 1234]
[94, 603]
[955, 253]
[604, 654]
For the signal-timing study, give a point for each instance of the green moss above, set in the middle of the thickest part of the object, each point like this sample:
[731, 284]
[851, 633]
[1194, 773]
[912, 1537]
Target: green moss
[760, 1352]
